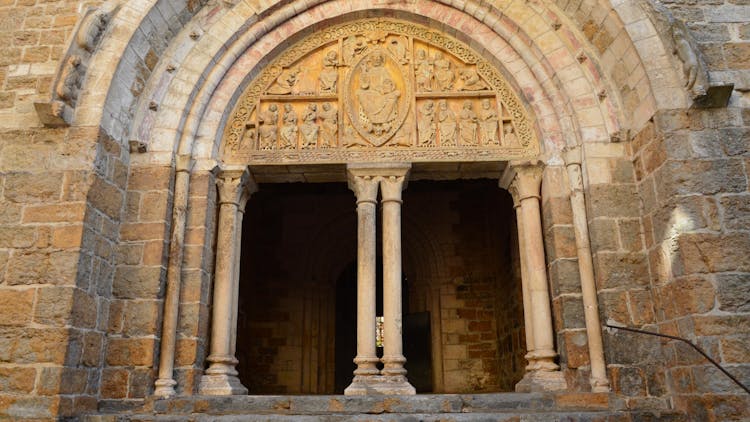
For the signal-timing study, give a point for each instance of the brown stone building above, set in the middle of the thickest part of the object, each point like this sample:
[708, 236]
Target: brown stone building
[318, 208]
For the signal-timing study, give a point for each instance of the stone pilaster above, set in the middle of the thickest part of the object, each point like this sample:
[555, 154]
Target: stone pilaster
[235, 186]
[598, 379]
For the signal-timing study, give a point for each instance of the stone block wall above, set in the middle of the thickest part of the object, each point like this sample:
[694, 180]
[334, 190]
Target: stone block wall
[693, 181]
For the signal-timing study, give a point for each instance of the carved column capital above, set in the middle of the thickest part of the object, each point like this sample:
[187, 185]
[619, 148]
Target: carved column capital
[184, 163]
[391, 187]
[235, 186]
[528, 178]
[365, 188]
[573, 160]
[513, 190]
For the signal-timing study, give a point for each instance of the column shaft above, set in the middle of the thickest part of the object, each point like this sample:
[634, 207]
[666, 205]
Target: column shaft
[529, 184]
[393, 353]
[598, 379]
[527, 312]
[221, 376]
[164, 385]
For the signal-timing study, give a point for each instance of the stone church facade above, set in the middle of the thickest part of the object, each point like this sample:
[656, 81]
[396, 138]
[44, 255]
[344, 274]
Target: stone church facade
[241, 199]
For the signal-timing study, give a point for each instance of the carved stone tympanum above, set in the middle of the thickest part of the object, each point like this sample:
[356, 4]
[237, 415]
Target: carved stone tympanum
[374, 90]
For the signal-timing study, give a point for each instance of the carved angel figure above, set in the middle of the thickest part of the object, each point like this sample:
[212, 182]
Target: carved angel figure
[70, 81]
[447, 124]
[285, 82]
[471, 80]
[444, 74]
[509, 136]
[489, 123]
[423, 70]
[468, 124]
[268, 128]
[329, 126]
[426, 125]
[352, 46]
[329, 75]
[289, 129]
[398, 47]
[309, 128]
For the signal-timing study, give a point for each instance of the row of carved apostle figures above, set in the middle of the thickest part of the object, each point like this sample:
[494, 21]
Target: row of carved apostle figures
[470, 128]
[317, 127]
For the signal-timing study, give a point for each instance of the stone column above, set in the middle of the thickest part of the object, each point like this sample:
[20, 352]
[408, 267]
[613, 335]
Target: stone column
[393, 371]
[527, 317]
[545, 375]
[165, 383]
[365, 187]
[234, 186]
[598, 379]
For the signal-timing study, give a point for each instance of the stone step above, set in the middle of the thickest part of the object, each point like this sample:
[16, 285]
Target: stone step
[411, 417]
[430, 407]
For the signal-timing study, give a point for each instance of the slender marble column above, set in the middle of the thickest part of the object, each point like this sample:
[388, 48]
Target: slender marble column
[392, 182]
[527, 314]
[598, 379]
[365, 187]
[164, 385]
[393, 354]
[528, 182]
[221, 376]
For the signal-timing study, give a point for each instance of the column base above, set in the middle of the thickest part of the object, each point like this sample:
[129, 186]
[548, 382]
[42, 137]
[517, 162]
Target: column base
[540, 381]
[221, 385]
[599, 385]
[165, 387]
[382, 385]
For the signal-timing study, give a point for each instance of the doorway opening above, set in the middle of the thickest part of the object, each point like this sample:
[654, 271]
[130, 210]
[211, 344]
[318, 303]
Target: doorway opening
[462, 306]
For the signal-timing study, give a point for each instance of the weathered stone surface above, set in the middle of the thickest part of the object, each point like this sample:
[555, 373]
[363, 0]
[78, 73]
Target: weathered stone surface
[16, 306]
[106, 197]
[130, 352]
[39, 267]
[708, 252]
[733, 292]
[612, 201]
[138, 282]
[32, 187]
[620, 269]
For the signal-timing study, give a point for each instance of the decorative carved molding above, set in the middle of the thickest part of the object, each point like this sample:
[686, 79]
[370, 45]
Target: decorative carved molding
[378, 90]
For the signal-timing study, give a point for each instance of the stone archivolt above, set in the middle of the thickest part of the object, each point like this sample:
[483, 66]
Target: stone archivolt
[374, 90]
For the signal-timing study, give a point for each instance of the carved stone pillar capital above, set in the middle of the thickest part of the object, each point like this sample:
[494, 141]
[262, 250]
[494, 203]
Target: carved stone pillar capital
[184, 163]
[573, 162]
[392, 186]
[365, 188]
[235, 186]
[513, 190]
[528, 178]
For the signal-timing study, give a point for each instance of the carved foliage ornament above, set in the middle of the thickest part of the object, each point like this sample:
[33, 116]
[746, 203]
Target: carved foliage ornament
[378, 89]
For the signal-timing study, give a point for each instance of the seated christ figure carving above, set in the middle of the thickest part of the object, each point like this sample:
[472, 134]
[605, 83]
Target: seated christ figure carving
[378, 97]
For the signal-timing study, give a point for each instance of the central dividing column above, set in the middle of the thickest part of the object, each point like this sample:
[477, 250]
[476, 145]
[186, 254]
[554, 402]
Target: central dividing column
[394, 374]
[220, 379]
[365, 180]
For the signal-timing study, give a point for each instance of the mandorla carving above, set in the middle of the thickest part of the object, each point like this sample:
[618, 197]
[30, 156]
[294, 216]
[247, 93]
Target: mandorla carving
[378, 84]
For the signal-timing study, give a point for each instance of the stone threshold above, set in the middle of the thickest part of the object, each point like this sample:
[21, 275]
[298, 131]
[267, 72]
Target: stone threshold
[452, 406]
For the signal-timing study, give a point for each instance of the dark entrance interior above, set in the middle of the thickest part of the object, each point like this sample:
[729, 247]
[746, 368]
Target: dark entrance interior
[462, 303]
